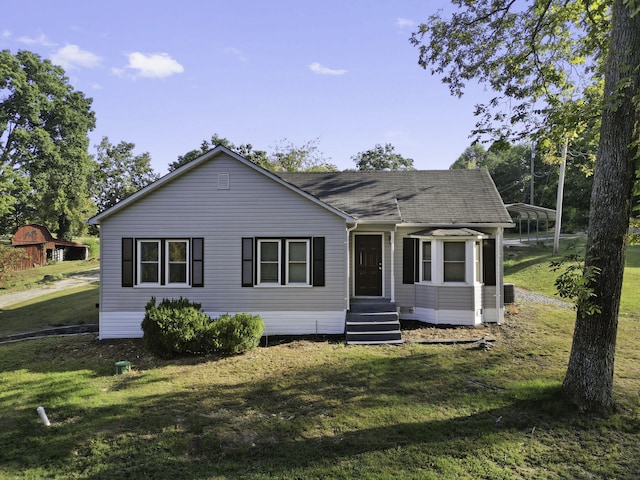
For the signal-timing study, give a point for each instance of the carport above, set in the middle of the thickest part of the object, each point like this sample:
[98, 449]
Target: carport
[532, 212]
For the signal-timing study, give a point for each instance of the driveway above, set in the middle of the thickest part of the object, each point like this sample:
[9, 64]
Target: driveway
[73, 281]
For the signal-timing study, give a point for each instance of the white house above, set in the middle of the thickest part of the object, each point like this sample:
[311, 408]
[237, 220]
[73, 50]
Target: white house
[300, 248]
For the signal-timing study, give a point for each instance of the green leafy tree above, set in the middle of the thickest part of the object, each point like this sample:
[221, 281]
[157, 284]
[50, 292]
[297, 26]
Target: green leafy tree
[546, 59]
[246, 150]
[119, 173]
[44, 125]
[382, 157]
[287, 157]
[510, 169]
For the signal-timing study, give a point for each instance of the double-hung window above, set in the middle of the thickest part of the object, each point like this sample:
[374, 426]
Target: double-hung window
[297, 269]
[293, 261]
[163, 262]
[444, 256]
[454, 262]
[426, 261]
[269, 262]
[177, 270]
[149, 262]
[283, 262]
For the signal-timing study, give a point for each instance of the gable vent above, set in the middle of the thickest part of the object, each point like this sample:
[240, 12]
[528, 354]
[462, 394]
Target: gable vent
[223, 181]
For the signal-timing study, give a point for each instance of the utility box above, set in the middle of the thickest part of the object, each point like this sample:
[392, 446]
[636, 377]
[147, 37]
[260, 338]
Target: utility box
[509, 293]
[123, 367]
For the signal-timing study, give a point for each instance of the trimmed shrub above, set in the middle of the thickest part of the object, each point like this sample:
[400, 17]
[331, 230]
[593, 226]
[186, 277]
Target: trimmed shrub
[237, 333]
[173, 326]
[179, 326]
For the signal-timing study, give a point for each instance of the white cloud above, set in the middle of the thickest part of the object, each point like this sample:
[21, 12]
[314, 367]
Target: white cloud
[238, 54]
[6, 34]
[71, 56]
[155, 65]
[39, 40]
[317, 68]
[405, 23]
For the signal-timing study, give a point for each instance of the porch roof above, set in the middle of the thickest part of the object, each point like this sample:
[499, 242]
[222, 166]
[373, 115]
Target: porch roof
[448, 232]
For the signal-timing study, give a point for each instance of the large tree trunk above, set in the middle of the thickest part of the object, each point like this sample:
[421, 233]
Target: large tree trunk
[589, 379]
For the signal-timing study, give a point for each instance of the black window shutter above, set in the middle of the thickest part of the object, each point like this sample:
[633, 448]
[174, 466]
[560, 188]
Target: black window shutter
[409, 259]
[127, 262]
[489, 261]
[247, 262]
[283, 262]
[197, 262]
[318, 262]
[163, 266]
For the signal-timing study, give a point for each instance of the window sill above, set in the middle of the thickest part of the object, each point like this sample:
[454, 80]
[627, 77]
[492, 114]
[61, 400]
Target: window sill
[276, 285]
[157, 285]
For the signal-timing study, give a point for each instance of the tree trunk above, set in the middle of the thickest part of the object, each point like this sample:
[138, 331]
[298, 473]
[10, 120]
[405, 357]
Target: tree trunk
[589, 379]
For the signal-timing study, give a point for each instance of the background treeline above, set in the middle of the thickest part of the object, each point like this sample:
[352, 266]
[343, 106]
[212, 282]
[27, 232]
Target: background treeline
[51, 175]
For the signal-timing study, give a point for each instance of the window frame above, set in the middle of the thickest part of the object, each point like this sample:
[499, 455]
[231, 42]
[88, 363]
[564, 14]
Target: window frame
[139, 261]
[259, 261]
[473, 259]
[186, 262]
[463, 262]
[307, 261]
[423, 262]
[163, 263]
[284, 262]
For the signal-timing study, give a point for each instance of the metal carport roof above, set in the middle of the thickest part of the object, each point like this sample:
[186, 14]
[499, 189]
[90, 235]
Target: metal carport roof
[532, 212]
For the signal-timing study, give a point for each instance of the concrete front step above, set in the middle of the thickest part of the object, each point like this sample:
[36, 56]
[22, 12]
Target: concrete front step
[377, 342]
[374, 337]
[373, 321]
[383, 317]
[358, 327]
[371, 305]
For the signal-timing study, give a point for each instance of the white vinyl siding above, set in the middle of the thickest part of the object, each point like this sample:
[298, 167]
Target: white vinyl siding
[255, 206]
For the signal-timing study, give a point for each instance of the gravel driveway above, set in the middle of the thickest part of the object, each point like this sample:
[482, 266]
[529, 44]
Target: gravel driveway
[526, 296]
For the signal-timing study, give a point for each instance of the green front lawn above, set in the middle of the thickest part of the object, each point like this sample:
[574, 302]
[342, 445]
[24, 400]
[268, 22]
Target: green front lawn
[304, 409]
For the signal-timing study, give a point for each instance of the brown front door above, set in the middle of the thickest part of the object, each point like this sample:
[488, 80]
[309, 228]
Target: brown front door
[368, 265]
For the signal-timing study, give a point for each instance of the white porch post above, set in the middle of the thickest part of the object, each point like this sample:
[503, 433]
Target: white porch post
[499, 276]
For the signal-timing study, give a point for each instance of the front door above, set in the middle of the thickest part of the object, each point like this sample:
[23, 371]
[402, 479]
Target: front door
[368, 265]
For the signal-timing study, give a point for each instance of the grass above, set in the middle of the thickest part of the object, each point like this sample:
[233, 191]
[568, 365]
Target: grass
[25, 279]
[76, 306]
[315, 410]
[529, 268]
[321, 409]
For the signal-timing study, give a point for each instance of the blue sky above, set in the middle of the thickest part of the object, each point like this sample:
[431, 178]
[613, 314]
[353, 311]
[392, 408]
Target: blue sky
[167, 75]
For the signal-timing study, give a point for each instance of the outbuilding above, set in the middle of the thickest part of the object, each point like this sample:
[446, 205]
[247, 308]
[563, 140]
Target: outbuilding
[41, 247]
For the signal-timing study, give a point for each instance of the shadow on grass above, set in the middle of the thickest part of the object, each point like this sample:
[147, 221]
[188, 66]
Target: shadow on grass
[76, 308]
[360, 410]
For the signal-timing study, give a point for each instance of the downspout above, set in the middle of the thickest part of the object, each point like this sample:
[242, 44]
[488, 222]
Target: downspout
[348, 273]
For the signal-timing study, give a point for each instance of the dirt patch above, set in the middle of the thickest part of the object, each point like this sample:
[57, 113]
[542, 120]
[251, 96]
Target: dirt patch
[413, 331]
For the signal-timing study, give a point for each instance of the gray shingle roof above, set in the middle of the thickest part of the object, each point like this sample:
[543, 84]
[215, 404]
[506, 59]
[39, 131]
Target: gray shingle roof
[433, 197]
